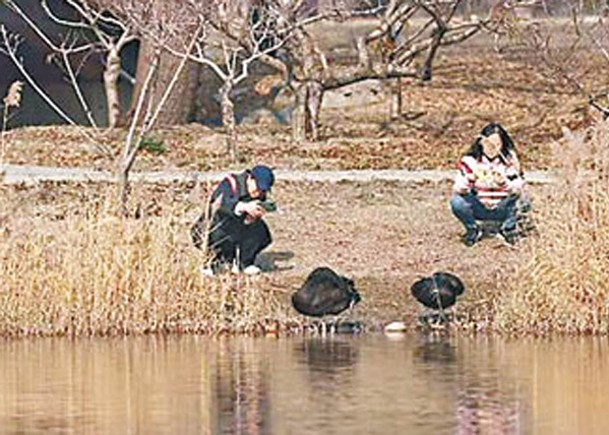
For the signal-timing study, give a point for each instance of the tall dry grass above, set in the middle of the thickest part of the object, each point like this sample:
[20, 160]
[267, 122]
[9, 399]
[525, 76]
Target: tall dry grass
[562, 284]
[12, 100]
[90, 272]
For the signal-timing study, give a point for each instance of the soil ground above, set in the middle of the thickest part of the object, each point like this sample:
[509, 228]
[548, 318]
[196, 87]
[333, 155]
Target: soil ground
[385, 236]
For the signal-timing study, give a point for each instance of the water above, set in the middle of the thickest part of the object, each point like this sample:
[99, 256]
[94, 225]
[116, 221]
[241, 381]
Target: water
[368, 384]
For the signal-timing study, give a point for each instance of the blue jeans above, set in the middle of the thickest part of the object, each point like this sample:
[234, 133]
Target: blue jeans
[469, 209]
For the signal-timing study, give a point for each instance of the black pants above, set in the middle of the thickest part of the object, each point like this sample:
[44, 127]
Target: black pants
[229, 236]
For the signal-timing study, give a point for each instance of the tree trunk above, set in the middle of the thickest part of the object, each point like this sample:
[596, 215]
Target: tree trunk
[315, 95]
[180, 104]
[396, 98]
[111, 76]
[305, 118]
[299, 122]
[123, 189]
[228, 120]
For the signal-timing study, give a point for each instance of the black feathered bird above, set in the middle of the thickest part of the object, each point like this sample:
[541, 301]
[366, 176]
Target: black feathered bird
[438, 292]
[325, 292]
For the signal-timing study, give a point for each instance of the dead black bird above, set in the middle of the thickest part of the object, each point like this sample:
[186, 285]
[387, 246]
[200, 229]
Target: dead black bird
[325, 292]
[438, 292]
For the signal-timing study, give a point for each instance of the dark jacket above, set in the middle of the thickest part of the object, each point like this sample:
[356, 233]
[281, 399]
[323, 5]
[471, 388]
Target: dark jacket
[231, 190]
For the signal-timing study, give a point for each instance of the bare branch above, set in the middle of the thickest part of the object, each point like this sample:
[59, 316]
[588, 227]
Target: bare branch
[58, 20]
[150, 121]
[129, 151]
[79, 94]
[11, 45]
[11, 4]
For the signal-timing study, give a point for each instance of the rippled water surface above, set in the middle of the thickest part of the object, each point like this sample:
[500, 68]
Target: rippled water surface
[342, 385]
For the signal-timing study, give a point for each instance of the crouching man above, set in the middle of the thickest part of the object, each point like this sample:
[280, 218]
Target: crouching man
[236, 233]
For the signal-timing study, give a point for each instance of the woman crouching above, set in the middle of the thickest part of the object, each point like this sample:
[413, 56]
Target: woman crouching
[488, 185]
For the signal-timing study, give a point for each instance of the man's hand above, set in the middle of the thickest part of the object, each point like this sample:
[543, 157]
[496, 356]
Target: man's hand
[252, 209]
[256, 211]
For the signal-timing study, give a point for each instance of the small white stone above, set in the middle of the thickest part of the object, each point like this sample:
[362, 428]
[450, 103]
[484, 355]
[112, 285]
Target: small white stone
[395, 327]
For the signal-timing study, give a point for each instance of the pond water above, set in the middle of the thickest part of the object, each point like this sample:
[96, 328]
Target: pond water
[367, 384]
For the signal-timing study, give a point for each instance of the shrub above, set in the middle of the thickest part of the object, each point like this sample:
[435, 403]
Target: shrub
[153, 145]
[562, 284]
[89, 272]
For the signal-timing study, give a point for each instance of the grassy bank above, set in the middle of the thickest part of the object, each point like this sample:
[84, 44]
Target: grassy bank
[70, 266]
[562, 282]
[90, 272]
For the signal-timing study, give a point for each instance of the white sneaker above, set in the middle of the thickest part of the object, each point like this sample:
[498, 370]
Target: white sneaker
[207, 271]
[252, 269]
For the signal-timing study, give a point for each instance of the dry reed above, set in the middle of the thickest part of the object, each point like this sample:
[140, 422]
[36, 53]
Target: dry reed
[12, 100]
[93, 273]
[562, 284]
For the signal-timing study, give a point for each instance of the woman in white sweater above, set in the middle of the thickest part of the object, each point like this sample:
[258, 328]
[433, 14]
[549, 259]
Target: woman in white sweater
[488, 185]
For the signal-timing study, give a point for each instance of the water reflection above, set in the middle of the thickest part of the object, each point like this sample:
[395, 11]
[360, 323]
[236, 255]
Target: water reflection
[324, 355]
[484, 402]
[488, 411]
[348, 384]
[436, 348]
[240, 389]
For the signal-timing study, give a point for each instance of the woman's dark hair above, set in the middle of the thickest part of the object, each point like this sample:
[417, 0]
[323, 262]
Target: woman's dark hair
[507, 146]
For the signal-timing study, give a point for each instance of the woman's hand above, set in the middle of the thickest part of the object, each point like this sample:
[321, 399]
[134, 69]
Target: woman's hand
[515, 186]
[461, 186]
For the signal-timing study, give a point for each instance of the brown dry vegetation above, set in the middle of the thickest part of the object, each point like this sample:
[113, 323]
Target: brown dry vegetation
[70, 266]
[472, 86]
[562, 282]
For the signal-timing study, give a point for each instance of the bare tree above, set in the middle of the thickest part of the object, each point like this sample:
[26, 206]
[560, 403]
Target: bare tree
[10, 44]
[163, 23]
[235, 34]
[559, 48]
[92, 29]
[159, 22]
[112, 35]
[121, 15]
[239, 32]
[402, 40]
[508, 18]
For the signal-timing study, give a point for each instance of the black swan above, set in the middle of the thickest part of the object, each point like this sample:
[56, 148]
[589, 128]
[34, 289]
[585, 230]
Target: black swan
[438, 292]
[325, 292]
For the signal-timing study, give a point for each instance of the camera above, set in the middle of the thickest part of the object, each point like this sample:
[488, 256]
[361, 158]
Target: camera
[268, 205]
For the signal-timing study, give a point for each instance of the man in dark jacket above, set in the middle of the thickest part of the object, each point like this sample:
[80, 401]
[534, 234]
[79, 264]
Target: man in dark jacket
[236, 232]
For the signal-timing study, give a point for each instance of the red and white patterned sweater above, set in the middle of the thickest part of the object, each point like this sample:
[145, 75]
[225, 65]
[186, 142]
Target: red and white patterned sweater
[493, 179]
